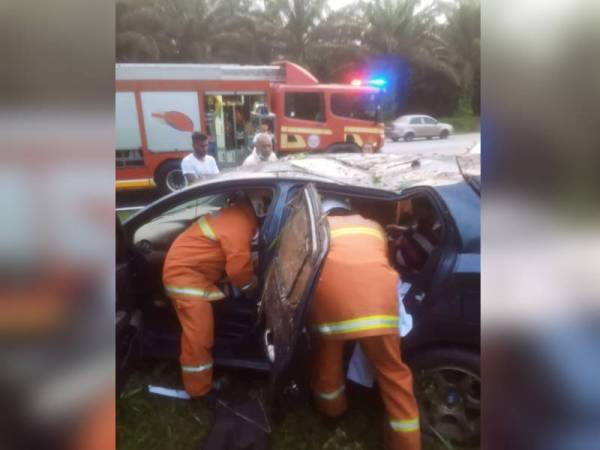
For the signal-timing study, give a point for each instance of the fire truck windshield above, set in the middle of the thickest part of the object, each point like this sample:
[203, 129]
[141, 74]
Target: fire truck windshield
[356, 105]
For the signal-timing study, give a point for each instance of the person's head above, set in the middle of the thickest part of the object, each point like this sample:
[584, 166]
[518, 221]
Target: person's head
[242, 200]
[263, 128]
[200, 144]
[264, 145]
[335, 206]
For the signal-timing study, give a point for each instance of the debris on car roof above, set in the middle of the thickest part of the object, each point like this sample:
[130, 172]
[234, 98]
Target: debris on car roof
[383, 171]
[380, 171]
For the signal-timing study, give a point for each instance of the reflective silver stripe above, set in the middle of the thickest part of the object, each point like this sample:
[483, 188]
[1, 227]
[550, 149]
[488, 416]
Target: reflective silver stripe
[206, 228]
[405, 426]
[249, 285]
[361, 324]
[332, 395]
[200, 368]
[195, 292]
[424, 242]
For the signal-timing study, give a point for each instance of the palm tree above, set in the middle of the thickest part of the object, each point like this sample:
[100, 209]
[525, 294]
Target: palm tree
[403, 36]
[295, 21]
[461, 36]
[185, 30]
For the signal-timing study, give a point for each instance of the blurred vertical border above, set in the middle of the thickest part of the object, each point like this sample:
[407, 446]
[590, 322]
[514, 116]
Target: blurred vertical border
[56, 227]
[540, 217]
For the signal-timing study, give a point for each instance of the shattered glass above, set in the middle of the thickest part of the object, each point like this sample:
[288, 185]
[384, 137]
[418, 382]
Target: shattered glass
[290, 277]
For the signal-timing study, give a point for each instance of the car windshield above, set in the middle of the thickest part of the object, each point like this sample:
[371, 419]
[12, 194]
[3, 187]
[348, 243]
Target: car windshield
[362, 105]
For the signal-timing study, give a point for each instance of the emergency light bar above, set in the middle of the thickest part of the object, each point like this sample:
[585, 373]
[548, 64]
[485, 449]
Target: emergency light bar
[379, 82]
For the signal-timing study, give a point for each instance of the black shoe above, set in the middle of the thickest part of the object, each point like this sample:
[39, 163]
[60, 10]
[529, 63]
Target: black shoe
[208, 400]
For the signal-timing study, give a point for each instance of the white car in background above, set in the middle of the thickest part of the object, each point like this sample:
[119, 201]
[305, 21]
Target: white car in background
[415, 126]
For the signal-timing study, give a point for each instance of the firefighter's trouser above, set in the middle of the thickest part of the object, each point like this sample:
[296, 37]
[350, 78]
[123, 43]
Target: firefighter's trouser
[393, 376]
[197, 328]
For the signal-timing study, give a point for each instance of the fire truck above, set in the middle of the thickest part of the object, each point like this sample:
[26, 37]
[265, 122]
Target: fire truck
[159, 106]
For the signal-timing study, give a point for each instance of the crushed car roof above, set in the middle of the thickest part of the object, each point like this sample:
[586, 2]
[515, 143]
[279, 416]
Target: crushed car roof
[388, 172]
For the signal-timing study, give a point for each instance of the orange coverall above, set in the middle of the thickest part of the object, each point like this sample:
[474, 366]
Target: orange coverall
[356, 299]
[214, 244]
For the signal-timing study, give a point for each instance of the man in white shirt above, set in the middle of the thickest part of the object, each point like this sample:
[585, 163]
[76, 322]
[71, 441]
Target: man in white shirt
[263, 151]
[198, 164]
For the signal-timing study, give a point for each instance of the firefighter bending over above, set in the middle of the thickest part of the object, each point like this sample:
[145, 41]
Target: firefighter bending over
[215, 244]
[355, 299]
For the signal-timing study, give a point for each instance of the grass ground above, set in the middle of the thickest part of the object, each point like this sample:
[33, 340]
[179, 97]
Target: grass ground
[463, 123]
[149, 422]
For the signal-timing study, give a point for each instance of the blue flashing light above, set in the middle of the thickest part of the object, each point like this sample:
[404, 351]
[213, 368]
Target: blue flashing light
[378, 82]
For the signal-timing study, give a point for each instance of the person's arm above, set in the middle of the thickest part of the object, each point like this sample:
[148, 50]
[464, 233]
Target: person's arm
[188, 172]
[189, 178]
[236, 241]
[215, 167]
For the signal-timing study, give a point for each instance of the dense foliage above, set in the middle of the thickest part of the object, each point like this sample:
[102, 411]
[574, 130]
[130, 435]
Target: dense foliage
[429, 51]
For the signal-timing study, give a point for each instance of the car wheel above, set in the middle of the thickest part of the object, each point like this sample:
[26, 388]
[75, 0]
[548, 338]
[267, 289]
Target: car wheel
[429, 138]
[395, 139]
[447, 386]
[169, 177]
[409, 137]
[444, 134]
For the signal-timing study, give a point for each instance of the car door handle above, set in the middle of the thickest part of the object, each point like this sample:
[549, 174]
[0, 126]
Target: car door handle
[269, 346]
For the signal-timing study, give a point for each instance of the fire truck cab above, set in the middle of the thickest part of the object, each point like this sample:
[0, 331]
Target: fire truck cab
[159, 106]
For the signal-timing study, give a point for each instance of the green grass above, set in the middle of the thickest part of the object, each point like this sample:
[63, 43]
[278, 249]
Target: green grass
[150, 422]
[463, 123]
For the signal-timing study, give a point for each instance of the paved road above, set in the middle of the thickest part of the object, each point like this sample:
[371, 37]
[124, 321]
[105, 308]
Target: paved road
[454, 144]
[457, 143]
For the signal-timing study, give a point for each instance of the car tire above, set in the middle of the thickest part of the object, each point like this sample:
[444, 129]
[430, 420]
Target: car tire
[395, 139]
[429, 138]
[169, 177]
[409, 136]
[447, 385]
[444, 134]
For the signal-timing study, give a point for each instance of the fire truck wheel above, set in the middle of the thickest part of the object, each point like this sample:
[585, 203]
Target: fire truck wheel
[344, 148]
[169, 177]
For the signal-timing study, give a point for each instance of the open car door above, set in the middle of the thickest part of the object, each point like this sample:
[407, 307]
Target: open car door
[128, 319]
[289, 282]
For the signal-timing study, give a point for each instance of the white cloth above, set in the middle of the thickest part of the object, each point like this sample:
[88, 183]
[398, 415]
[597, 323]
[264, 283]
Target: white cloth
[360, 370]
[193, 166]
[253, 158]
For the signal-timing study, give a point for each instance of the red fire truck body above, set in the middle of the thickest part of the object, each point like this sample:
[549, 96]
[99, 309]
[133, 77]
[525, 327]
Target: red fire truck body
[159, 106]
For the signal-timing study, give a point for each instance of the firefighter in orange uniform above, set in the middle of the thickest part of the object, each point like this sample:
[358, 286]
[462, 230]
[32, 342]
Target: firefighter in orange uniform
[355, 299]
[213, 245]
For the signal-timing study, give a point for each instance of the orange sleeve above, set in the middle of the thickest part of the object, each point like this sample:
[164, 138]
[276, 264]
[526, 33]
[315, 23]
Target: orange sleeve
[235, 230]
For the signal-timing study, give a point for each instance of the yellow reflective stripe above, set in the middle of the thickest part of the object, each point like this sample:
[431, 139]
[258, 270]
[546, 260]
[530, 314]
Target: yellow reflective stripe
[141, 183]
[357, 139]
[195, 292]
[206, 228]
[346, 231]
[200, 368]
[332, 395]
[362, 324]
[405, 426]
[306, 130]
[362, 130]
[299, 143]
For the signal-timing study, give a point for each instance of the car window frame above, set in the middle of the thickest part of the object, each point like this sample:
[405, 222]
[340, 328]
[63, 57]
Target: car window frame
[323, 108]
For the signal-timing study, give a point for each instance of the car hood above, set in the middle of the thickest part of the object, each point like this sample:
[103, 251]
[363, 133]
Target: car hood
[388, 172]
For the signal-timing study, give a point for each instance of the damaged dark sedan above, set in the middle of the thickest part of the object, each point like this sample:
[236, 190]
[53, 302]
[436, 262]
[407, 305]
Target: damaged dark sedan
[268, 332]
